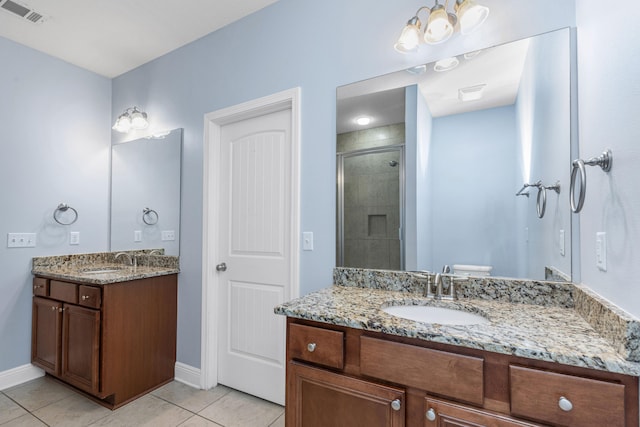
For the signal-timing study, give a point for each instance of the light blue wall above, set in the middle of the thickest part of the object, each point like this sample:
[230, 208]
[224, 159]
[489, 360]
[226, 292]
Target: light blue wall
[55, 142]
[317, 46]
[424, 245]
[609, 89]
[411, 121]
[473, 207]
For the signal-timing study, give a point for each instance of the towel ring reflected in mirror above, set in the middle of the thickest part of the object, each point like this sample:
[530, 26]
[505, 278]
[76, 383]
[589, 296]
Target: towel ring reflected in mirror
[63, 207]
[149, 216]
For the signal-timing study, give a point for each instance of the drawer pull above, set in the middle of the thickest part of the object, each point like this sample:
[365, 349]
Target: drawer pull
[565, 404]
[38, 286]
[396, 405]
[431, 414]
[85, 297]
[311, 347]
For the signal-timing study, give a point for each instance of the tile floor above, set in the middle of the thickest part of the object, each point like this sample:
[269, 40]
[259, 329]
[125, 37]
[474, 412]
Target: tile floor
[45, 402]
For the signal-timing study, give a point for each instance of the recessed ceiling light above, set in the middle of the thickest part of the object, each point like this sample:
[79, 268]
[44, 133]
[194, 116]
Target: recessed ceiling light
[446, 64]
[471, 93]
[417, 70]
[473, 54]
[363, 121]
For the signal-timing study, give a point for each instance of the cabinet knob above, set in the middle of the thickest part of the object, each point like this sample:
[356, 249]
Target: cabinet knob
[431, 414]
[396, 405]
[85, 297]
[61, 309]
[311, 347]
[565, 404]
[53, 308]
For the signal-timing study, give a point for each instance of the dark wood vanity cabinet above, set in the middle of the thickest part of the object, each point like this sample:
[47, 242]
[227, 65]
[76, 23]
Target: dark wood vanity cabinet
[338, 376]
[115, 342]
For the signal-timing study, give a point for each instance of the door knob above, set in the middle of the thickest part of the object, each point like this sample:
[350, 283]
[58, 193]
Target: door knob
[221, 267]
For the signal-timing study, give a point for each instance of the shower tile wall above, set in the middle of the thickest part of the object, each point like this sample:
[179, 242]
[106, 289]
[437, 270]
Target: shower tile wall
[372, 198]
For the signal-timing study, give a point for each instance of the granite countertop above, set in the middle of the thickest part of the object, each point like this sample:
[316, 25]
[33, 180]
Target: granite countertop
[548, 333]
[102, 268]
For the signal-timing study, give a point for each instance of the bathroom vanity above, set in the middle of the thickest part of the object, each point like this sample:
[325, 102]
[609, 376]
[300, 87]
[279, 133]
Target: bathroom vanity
[106, 329]
[349, 363]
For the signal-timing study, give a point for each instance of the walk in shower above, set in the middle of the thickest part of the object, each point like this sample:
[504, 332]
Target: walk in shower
[371, 208]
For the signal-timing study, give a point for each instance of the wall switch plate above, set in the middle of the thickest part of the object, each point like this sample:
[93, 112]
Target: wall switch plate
[307, 241]
[168, 235]
[74, 238]
[601, 250]
[561, 242]
[137, 236]
[21, 240]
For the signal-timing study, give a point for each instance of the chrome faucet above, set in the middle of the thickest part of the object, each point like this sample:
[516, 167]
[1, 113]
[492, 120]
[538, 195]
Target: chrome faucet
[132, 258]
[438, 283]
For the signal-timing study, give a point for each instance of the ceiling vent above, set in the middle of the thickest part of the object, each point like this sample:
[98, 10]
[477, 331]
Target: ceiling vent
[22, 11]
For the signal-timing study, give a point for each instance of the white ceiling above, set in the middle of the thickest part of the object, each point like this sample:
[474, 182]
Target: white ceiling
[111, 37]
[382, 98]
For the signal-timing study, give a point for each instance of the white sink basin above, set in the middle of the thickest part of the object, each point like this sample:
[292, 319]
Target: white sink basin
[441, 315]
[106, 270]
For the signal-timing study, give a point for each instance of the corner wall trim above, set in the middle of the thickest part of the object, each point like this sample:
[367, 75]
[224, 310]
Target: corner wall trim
[19, 375]
[188, 375]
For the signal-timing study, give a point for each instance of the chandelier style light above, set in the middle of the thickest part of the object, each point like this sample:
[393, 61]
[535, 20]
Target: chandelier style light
[468, 16]
[132, 118]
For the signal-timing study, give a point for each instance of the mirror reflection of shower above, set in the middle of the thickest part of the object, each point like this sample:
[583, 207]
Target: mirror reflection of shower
[370, 203]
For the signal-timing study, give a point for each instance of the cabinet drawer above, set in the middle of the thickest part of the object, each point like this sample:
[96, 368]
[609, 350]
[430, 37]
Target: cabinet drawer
[63, 291]
[317, 345]
[537, 395]
[447, 374]
[89, 296]
[40, 287]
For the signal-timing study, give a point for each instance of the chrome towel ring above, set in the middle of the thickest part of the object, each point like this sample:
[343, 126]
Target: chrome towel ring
[541, 202]
[578, 166]
[63, 207]
[149, 216]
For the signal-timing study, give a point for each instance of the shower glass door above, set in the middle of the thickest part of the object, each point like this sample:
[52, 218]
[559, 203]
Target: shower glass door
[371, 208]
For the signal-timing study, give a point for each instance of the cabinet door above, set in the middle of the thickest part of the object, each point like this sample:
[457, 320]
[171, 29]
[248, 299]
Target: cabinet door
[46, 330]
[81, 347]
[439, 413]
[319, 398]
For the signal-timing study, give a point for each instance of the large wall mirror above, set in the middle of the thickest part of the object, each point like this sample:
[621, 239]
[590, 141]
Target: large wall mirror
[145, 193]
[430, 159]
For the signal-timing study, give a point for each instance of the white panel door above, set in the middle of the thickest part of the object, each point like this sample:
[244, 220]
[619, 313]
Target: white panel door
[254, 245]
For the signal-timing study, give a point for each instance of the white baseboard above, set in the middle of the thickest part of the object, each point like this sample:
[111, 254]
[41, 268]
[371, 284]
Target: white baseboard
[19, 375]
[188, 375]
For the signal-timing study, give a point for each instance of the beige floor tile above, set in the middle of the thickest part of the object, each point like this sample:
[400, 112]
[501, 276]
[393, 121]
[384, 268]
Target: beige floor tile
[190, 398]
[237, 409]
[38, 393]
[197, 421]
[74, 411]
[9, 409]
[279, 422]
[26, 420]
[146, 411]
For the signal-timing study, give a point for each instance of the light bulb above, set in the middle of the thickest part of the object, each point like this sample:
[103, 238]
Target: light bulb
[446, 64]
[439, 28]
[410, 37]
[471, 15]
[139, 119]
[123, 124]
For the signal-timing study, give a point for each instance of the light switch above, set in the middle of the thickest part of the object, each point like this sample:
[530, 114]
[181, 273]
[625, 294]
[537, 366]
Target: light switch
[307, 241]
[601, 250]
[21, 240]
[137, 235]
[561, 242]
[74, 238]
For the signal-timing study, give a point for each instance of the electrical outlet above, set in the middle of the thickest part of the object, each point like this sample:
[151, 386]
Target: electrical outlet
[561, 242]
[168, 235]
[74, 238]
[137, 236]
[601, 251]
[21, 240]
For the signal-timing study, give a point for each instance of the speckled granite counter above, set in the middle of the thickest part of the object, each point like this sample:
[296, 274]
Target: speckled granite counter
[550, 331]
[102, 268]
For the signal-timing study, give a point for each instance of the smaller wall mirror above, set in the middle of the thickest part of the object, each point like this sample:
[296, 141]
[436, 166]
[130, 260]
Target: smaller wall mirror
[145, 193]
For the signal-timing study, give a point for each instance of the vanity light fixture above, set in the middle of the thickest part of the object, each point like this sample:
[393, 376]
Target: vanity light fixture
[441, 24]
[446, 64]
[132, 118]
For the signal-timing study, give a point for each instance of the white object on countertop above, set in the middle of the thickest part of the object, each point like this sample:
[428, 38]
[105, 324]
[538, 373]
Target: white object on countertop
[472, 270]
